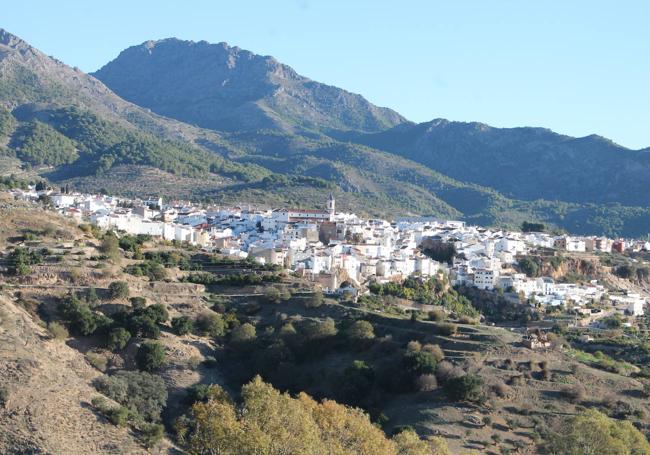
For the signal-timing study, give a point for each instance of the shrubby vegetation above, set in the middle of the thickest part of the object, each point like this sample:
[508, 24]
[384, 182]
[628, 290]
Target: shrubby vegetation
[20, 260]
[594, 433]
[140, 392]
[38, 143]
[430, 291]
[270, 422]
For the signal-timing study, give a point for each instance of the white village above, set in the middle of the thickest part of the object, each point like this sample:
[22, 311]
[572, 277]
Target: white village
[342, 252]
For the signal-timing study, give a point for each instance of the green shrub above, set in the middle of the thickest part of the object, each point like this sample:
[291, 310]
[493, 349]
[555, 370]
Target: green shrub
[58, 331]
[119, 416]
[360, 330]
[210, 324]
[118, 290]
[142, 393]
[446, 328]
[97, 361]
[468, 387]
[150, 356]
[118, 338]
[182, 325]
[151, 434]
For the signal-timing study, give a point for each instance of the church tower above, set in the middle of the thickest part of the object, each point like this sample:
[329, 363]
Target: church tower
[331, 204]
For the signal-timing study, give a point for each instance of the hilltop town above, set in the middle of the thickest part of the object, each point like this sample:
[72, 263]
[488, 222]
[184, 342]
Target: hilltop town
[343, 253]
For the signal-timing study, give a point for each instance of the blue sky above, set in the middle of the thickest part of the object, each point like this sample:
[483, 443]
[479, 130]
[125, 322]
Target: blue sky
[578, 67]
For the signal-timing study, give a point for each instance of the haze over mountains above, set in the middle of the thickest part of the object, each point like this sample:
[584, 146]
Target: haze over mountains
[236, 126]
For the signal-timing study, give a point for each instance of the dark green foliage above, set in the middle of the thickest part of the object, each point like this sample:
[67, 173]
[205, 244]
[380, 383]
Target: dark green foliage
[110, 245]
[138, 302]
[144, 321]
[7, 123]
[239, 279]
[431, 291]
[210, 324]
[468, 387]
[357, 381]
[38, 143]
[140, 392]
[633, 272]
[496, 307]
[182, 325]
[80, 318]
[20, 260]
[150, 356]
[118, 338]
[530, 266]
[360, 331]
[151, 434]
[438, 250]
[419, 362]
[118, 290]
[527, 226]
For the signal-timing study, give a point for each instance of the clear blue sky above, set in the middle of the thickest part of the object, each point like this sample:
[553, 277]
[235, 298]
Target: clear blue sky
[576, 66]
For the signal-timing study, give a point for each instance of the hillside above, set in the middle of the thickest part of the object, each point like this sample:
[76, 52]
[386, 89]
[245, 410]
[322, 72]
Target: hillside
[524, 163]
[106, 339]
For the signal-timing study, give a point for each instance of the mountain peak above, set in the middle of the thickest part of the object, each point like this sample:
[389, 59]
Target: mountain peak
[223, 87]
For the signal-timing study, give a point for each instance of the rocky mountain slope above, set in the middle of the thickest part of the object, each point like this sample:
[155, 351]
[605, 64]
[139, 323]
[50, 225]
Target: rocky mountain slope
[220, 87]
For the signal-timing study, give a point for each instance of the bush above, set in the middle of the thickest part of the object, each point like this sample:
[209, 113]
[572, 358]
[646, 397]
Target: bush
[98, 361]
[110, 245]
[315, 300]
[446, 328]
[243, 334]
[117, 339]
[435, 350]
[437, 315]
[182, 325]
[210, 324]
[118, 416]
[58, 331]
[138, 302]
[150, 356]
[151, 434]
[426, 383]
[419, 362]
[464, 388]
[142, 393]
[118, 290]
[360, 330]
[575, 393]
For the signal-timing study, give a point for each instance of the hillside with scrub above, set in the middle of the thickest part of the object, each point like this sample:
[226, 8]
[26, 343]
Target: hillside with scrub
[138, 345]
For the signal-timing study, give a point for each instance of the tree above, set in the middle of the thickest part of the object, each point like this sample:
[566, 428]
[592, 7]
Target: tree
[529, 266]
[468, 387]
[211, 324]
[315, 300]
[118, 338]
[419, 362]
[360, 330]
[527, 226]
[272, 295]
[150, 356]
[118, 290]
[594, 433]
[182, 325]
[274, 423]
[317, 330]
[243, 334]
[110, 246]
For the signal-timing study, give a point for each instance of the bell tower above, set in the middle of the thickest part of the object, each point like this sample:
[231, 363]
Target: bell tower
[331, 204]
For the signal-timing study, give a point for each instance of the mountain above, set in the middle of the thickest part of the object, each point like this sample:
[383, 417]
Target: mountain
[220, 87]
[282, 140]
[524, 163]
